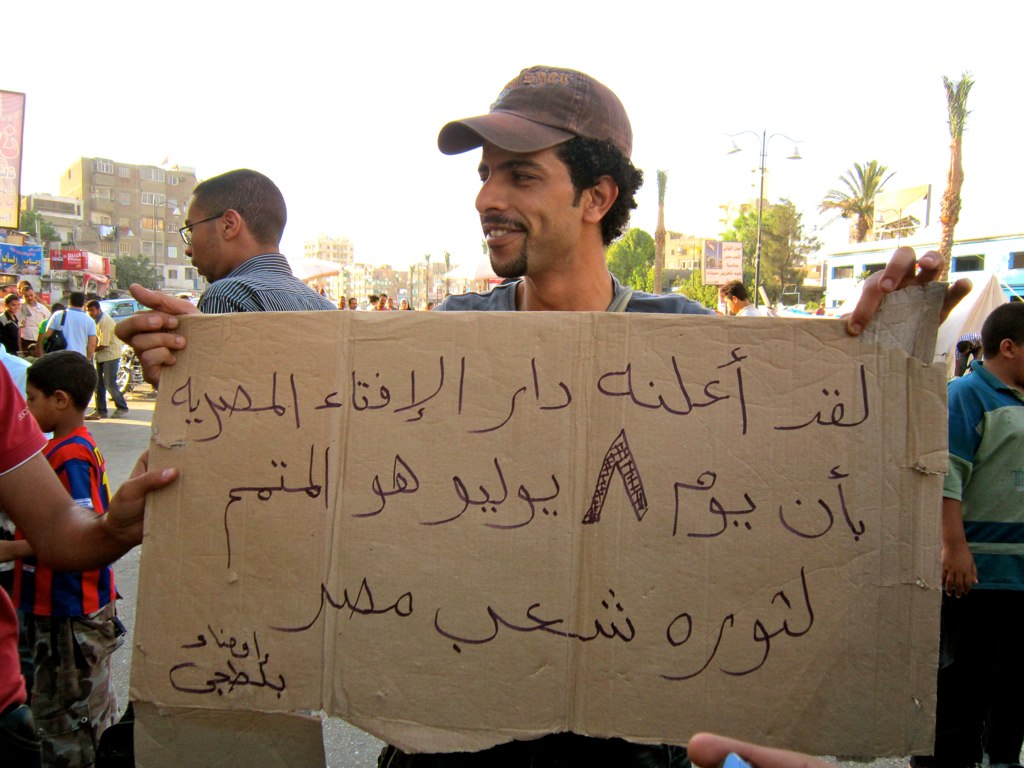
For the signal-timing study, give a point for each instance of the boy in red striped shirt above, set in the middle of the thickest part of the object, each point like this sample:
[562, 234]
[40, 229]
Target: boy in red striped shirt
[72, 624]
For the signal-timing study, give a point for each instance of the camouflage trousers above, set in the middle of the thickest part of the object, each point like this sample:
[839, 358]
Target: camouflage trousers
[73, 697]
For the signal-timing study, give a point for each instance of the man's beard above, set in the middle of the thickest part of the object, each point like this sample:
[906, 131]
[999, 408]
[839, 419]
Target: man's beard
[514, 268]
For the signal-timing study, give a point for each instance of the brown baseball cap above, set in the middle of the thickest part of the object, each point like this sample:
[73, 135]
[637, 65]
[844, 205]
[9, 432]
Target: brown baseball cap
[541, 108]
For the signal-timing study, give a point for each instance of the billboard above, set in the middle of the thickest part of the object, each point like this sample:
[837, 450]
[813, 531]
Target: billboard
[723, 261]
[21, 259]
[12, 124]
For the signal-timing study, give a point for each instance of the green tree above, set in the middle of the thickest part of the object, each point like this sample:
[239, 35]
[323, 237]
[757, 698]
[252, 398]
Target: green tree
[784, 245]
[631, 259]
[695, 288]
[857, 200]
[34, 224]
[956, 104]
[135, 269]
[659, 234]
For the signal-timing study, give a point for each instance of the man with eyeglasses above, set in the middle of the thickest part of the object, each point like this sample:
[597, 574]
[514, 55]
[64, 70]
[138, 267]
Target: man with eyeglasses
[233, 234]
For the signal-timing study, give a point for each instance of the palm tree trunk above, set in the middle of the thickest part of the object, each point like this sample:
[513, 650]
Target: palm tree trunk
[956, 104]
[659, 235]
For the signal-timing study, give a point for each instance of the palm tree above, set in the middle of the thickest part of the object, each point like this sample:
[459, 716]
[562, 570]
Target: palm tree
[659, 233]
[857, 201]
[956, 103]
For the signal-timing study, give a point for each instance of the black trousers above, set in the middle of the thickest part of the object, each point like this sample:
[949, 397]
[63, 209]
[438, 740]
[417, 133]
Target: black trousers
[981, 680]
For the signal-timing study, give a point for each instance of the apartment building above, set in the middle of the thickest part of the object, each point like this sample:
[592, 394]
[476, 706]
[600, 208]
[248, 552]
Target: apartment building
[131, 210]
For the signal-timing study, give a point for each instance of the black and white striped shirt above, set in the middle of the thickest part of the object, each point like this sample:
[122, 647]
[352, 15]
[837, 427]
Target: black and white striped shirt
[262, 284]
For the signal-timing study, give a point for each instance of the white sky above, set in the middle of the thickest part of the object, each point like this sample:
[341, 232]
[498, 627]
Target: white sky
[341, 103]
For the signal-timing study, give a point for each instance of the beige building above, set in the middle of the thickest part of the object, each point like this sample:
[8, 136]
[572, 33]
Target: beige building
[64, 214]
[335, 249]
[131, 210]
[683, 252]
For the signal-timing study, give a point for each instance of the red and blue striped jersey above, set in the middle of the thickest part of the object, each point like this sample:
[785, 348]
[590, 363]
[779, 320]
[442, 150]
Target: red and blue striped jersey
[42, 591]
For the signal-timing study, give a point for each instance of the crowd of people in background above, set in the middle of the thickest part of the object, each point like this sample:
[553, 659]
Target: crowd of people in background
[381, 303]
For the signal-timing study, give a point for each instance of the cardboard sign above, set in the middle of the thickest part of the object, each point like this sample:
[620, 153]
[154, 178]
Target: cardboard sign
[454, 530]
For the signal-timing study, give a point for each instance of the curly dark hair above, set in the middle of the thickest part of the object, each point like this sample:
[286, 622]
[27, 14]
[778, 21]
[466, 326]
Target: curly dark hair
[253, 195]
[590, 159]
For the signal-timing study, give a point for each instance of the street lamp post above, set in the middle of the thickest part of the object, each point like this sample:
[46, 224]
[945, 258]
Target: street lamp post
[764, 139]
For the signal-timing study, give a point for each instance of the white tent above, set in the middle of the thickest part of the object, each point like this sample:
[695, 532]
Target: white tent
[967, 317]
[475, 269]
[312, 269]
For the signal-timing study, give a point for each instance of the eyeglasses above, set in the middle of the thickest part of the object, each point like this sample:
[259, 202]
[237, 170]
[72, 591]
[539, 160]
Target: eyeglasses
[186, 231]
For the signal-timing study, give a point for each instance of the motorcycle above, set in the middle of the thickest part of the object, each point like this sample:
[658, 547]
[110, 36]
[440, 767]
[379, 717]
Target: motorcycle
[129, 374]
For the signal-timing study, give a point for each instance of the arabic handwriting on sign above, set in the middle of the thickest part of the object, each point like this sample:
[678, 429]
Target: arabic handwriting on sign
[680, 629]
[531, 501]
[360, 392]
[241, 402]
[403, 480]
[618, 458]
[485, 501]
[621, 384]
[837, 415]
[234, 669]
[418, 404]
[804, 532]
[362, 604]
[705, 482]
[312, 488]
[566, 399]
[533, 622]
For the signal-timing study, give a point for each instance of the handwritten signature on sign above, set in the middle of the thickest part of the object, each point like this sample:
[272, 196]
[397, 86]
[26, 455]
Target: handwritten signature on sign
[237, 665]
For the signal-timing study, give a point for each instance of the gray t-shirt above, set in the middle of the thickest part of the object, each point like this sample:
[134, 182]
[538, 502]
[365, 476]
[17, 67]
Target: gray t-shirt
[503, 299]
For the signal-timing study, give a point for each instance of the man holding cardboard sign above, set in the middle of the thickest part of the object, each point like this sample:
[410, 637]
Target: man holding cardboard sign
[557, 187]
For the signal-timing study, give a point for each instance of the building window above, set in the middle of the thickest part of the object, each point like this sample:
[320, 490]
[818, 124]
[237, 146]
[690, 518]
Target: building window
[125, 249]
[124, 198]
[1017, 260]
[124, 172]
[870, 269]
[103, 166]
[147, 247]
[174, 181]
[972, 263]
[172, 274]
[124, 221]
[172, 252]
[842, 273]
[148, 222]
[152, 198]
[151, 174]
[102, 193]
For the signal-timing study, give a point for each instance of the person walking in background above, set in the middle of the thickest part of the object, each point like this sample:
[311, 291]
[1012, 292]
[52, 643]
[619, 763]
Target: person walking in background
[108, 360]
[78, 328]
[33, 313]
[10, 324]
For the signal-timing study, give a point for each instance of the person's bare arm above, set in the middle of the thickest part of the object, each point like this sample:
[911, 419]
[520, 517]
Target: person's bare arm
[959, 573]
[709, 750]
[152, 334]
[90, 348]
[904, 269]
[66, 536]
[14, 550]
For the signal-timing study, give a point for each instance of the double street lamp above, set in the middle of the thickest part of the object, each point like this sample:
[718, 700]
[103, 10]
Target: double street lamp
[764, 140]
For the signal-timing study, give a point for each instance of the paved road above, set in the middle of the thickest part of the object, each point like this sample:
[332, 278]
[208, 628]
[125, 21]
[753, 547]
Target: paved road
[121, 441]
